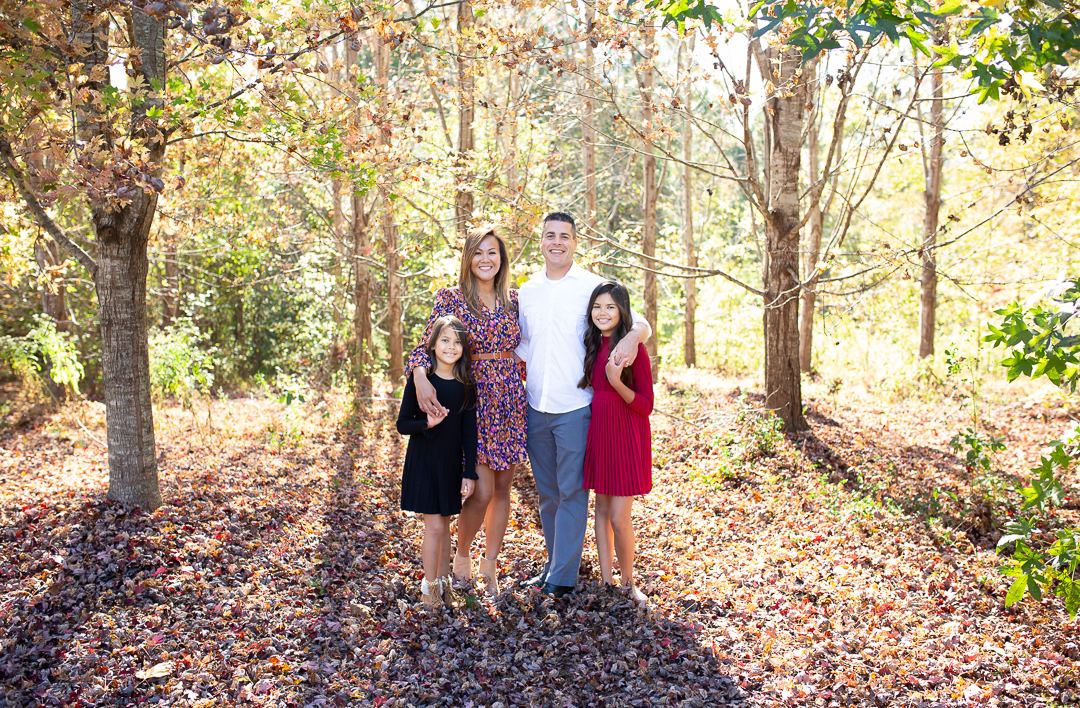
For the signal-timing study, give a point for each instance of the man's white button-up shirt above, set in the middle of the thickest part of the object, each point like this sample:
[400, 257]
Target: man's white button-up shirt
[553, 323]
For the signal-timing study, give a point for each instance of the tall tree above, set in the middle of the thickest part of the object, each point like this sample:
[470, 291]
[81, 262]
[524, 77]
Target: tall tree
[464, 197]
[783, 157]
[814, 224]
[51, 263]
[121, 214]
[588, 126]
[360, 239]
[395, 331]
[932, 164]
[689, 244]
[650, 188]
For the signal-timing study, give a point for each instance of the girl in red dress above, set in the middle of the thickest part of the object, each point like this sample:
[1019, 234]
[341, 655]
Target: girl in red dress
[618, 452]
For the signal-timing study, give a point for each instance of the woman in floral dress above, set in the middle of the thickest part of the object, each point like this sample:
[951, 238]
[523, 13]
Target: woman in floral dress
[484, 302]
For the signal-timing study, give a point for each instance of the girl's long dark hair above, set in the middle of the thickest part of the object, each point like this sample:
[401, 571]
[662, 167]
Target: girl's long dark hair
[463, 366]
[594, 339]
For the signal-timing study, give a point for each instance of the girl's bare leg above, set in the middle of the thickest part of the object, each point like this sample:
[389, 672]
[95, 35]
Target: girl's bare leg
[623, 529]
[498, 511]
[436, 531]
[444, 550]
[473, 510]
[604, 537]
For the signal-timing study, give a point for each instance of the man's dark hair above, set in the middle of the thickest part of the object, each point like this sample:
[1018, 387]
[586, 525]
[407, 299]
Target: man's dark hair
[561, 216]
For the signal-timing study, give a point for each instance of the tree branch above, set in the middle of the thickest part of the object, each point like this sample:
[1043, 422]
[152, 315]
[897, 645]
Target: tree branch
[11, 167]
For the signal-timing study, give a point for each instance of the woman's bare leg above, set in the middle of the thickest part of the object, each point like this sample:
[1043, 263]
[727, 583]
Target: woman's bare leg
[498, 511]
[623, 529]
[473, 510]
[604, 542]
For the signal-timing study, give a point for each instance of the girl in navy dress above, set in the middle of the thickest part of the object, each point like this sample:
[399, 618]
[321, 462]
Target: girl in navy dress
[618, 452]
[440, 464]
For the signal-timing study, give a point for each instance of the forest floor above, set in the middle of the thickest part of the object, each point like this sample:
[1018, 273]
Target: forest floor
[834, 569]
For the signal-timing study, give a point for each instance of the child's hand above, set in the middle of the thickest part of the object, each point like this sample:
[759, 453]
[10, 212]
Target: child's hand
[433, 420]
[613, 371]
[467, 487]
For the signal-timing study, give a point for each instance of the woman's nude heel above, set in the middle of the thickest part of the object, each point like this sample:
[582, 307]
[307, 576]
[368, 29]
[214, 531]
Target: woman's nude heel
[489, 575]
[462, 568]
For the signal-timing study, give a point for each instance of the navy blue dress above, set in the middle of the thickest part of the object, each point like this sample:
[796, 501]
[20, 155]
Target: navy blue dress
[438, 457]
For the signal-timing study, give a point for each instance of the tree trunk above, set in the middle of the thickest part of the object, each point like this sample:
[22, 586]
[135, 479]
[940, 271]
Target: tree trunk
[361, 277]
[932, 195]
[53, 305]
[784, 114]
[395, 345]
[120, 282]
[588, 131]
[170, 306]
[815, 223]
[464, 199]
[690, 248]
[337, 223]
[649, 195]
[513, 180]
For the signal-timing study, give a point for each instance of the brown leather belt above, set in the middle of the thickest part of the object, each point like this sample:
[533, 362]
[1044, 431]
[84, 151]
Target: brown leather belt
[493, 355]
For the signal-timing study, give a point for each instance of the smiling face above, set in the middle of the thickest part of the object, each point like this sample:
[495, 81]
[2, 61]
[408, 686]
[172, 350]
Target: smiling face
[486, 260]
[558, 243]
[448, 347]
[605, 314]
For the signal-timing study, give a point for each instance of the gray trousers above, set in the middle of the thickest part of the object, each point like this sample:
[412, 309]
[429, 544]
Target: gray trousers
[557, 456]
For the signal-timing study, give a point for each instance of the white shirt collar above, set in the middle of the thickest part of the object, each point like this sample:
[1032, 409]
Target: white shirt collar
[574, 272]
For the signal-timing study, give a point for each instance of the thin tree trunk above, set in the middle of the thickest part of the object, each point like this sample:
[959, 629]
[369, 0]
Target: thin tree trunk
[649, 194]
[932, 195]
[337, 224]
[53, 305]
[784, 116]
[815, 224]
[513, 180]
[690, 247]
[169, 299]
[360, 239]
[464, 199]
[395, 345]
[588, 131]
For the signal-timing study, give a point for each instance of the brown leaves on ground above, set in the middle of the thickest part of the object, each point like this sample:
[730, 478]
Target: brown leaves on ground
[281, 572]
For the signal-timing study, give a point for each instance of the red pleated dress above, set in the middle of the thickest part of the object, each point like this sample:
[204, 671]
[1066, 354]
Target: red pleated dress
[618, 452]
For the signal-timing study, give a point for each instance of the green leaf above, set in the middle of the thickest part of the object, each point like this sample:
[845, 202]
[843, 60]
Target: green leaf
[1033, 588]
[1016, 591]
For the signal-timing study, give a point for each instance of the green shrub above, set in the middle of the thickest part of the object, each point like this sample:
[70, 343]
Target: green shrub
[1040, 346]
[43, 345]
[181, 366]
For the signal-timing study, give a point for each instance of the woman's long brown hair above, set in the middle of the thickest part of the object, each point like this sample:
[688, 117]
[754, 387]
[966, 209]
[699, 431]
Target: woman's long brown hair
[463, 366]
[594, 339]
[466, 279]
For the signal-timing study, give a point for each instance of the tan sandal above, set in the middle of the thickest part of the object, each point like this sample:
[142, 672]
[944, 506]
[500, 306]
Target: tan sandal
[433, 598]
[449, 597]
[462, 568]
[489, 575]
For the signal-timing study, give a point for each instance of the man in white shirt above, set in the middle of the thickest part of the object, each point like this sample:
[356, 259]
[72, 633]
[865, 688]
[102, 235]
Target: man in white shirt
[553, 321]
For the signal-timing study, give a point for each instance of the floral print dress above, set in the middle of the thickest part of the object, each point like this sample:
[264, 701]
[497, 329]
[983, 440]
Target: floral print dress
[501, 413]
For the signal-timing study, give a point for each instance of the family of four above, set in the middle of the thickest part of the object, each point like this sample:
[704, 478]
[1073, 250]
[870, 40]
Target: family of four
[580, 417]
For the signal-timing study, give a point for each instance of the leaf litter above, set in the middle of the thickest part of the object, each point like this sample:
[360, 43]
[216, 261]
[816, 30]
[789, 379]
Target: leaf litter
[819, 574]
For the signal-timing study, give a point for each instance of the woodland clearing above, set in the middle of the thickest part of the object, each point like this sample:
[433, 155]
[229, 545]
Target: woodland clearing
[822, 571]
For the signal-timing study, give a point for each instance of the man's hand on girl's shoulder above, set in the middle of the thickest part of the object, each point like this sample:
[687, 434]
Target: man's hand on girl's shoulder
[626, 351]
